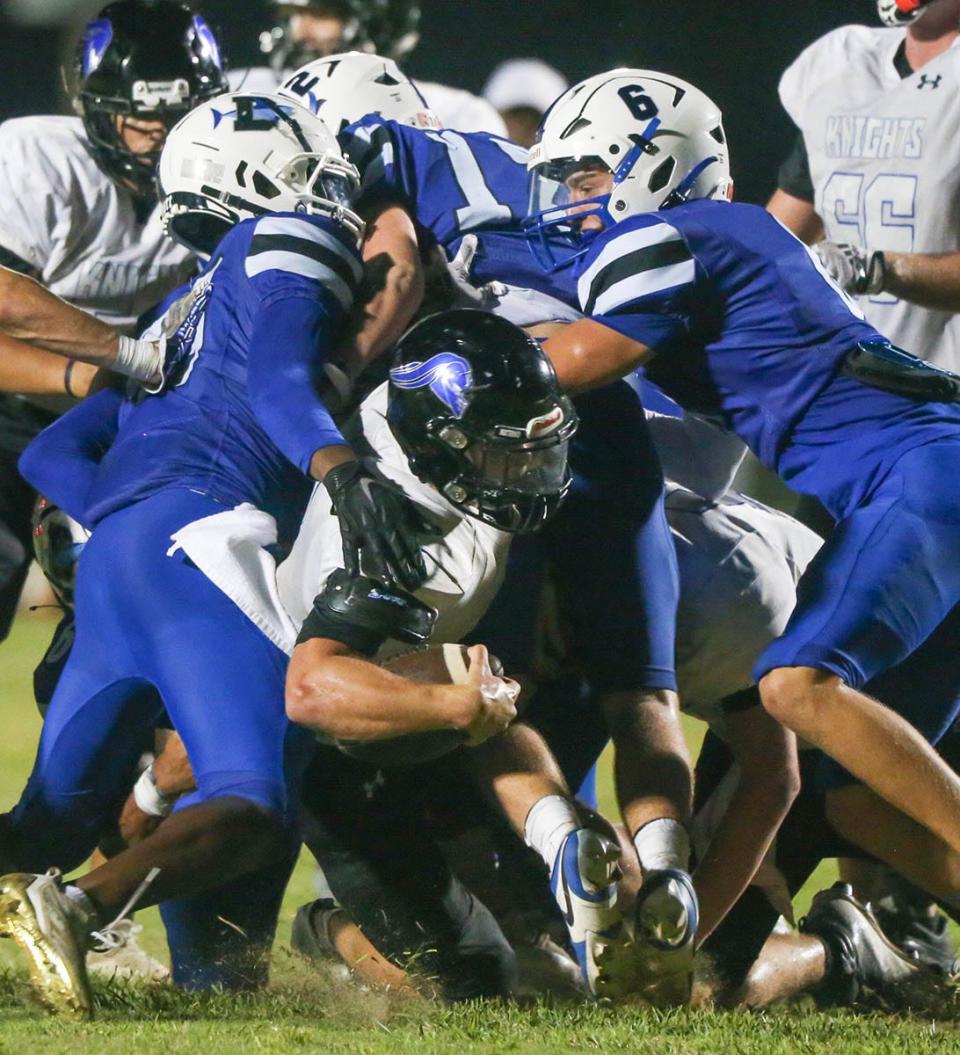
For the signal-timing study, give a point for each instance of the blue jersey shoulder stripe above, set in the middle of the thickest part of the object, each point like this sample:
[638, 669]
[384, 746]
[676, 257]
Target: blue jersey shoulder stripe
[638, 274]
[621, 252]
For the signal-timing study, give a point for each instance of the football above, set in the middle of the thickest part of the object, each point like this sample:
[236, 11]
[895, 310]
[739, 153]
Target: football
[435, 665]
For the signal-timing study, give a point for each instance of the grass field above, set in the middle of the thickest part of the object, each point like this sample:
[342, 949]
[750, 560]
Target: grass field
[307, 1011]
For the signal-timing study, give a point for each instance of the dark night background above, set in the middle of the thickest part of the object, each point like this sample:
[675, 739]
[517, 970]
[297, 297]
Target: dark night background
[734, 51]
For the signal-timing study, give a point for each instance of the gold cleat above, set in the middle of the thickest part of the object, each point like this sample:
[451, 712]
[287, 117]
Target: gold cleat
[49, 928]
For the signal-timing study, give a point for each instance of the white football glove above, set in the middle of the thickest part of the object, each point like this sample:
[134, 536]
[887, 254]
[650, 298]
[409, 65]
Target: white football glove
[855, 270]
[460, 267]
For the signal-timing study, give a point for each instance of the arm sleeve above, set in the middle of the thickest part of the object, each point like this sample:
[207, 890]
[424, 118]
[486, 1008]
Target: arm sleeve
[636, 282]
[285, 374]
[62, 462]
[794, 174]
[303, 277]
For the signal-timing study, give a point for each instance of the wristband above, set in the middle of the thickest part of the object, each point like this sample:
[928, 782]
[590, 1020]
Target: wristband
[140, 360]
[67, 374]
[149, 798]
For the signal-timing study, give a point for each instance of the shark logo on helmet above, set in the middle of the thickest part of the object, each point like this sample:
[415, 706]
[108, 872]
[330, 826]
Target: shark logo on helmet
[259, 112]
[448, 377]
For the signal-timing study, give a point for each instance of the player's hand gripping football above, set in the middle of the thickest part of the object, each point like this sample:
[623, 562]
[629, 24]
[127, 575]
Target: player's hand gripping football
[379, 526]
[498, 698]
[855, 270]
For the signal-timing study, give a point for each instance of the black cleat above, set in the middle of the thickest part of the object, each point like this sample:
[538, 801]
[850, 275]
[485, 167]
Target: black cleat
[861, 956]
[923, 937]
[310, 931]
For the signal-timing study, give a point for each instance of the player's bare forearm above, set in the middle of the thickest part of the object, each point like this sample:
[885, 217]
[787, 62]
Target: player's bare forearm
[930, 280]
[393, 286]
[31, 371]
[31, 313]
[327, 458]
[587, 355]
[769, 782]
[796, 215]
[335, 692]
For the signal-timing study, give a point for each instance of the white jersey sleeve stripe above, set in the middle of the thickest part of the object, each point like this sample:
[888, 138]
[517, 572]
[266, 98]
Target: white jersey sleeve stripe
[622, 246]
[643, 284]
[297, 264]
[291, 227]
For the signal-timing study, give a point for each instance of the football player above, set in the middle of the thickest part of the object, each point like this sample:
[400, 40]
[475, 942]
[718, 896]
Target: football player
[882, 205]
[733, 316]
[873, 171]
[242, 422]
[311, 29]
[79, 213]
[468, 193]
[474, 430]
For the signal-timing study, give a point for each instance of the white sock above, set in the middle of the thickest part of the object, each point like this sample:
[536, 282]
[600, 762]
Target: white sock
[548, 823]
[86, 906]
[664, 843]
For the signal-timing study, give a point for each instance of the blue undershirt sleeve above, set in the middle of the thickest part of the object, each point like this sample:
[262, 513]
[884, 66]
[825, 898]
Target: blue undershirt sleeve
[62, 462]
[285, 374]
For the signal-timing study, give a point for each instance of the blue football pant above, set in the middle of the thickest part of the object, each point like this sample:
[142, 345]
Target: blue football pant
[884, 581]
[148, 620]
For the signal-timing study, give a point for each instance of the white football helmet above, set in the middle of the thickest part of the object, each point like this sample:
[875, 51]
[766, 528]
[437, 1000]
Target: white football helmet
[899, 12]
[340, 89]
[660, 137]
[241, 155]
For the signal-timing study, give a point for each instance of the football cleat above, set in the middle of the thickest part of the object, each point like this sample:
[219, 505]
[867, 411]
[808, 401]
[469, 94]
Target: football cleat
[665, 927]
[310, 930]
[861, 955]
[51, 930]
[923, 936]
[584, 883]
[121, 957]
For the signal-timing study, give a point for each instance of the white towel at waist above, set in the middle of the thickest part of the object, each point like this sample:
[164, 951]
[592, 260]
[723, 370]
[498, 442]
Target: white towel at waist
[230, 549]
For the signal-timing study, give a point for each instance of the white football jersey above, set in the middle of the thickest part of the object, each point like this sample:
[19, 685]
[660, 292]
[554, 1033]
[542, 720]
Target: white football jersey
[77, 228]
[885, 163]
[456, 109]
[465, 566]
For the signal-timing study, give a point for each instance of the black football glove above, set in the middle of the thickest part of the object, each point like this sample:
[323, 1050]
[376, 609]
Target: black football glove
[378, 523]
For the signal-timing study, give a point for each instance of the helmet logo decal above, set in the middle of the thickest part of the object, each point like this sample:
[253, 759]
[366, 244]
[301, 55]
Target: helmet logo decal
[545, 424]
[253, 114]
[209, 48]
[96, 40]
[448, 377]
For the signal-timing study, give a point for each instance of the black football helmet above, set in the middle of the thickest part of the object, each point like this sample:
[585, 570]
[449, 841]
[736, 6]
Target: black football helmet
[58, 542]
[147, 59]
[384, 27]
[475, 404]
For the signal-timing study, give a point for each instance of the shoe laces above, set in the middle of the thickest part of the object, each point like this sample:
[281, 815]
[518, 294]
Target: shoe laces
[116, 936]
[117, 933]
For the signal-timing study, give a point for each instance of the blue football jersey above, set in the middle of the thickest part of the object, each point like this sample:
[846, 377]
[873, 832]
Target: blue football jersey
[453, 184]
[747, 327]
[243, 416]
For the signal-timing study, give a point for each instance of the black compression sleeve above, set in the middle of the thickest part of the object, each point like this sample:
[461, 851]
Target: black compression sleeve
[794, 174]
